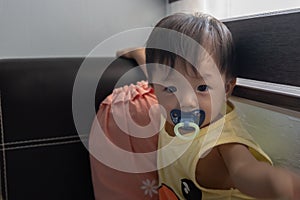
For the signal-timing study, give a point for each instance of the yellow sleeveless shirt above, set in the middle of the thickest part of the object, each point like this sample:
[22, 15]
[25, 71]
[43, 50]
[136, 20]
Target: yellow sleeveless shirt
[177, 158]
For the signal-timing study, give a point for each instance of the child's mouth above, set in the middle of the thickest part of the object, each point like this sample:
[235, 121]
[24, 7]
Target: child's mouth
[196, 116]
[186, 122]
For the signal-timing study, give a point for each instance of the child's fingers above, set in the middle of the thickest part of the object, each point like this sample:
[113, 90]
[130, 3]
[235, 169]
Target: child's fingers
[126, 52]
[121, 53]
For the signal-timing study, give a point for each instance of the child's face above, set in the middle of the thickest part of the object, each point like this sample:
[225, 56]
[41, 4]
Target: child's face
[185, 90]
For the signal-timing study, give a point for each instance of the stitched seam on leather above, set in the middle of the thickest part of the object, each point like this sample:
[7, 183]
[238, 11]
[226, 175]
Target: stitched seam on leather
[45, 139]
[3, 151]
[42, 145]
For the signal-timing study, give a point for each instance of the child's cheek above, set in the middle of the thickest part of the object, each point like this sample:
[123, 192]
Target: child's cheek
[217, 98]
[163, 101]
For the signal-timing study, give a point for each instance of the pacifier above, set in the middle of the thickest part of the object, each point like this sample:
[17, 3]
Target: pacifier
[187, 122]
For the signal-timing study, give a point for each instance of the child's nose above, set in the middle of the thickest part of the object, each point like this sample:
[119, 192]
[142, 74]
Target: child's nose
[188, 102]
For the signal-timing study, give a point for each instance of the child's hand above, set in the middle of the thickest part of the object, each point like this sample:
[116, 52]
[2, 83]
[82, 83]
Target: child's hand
[135, 53]
[296, 186]
[291, 185]
[138, 54]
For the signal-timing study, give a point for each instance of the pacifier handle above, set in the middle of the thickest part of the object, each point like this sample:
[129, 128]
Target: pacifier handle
[182, 124]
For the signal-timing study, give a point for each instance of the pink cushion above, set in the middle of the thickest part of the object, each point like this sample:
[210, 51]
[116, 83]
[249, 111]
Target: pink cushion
[123, 128]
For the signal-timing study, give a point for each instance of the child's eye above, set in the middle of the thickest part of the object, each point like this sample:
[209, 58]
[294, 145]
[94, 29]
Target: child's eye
[170, 89]
[202, 88]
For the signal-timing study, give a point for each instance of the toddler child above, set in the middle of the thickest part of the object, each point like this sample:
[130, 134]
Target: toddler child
[203, 150]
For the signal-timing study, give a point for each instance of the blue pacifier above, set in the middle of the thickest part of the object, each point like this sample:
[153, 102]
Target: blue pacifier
[187, 121]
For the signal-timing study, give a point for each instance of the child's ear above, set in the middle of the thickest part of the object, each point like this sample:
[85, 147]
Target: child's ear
[229, 86]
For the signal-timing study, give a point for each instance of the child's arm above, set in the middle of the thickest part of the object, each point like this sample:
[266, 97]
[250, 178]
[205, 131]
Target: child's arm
[258, 179]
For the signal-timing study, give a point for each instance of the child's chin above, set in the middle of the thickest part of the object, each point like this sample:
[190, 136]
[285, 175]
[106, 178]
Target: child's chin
[187, 130]
[204, 124]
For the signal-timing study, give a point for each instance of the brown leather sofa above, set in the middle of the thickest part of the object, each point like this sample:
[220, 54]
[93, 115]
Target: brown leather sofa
[42, 156]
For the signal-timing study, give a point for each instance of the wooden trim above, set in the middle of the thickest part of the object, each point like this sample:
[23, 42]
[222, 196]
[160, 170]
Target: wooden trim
[171, 1]
[267, 97]
[270, 87]
[290, 113]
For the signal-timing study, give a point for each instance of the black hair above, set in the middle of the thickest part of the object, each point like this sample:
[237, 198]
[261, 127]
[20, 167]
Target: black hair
[204, 30]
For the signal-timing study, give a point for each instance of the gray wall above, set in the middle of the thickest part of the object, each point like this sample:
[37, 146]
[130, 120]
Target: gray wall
[47, 28]
[236, 8]
[223, 9]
